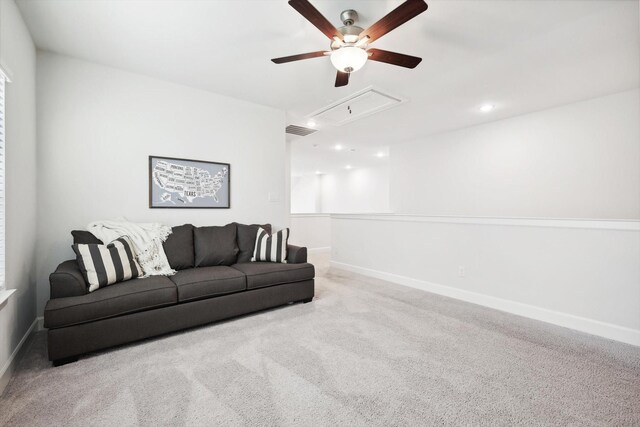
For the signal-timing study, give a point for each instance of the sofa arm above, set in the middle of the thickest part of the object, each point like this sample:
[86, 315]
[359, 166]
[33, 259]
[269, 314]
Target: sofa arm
[67, 281]
[296, 254]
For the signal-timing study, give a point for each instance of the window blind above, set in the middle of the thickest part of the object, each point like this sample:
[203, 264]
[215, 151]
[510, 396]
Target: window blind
[2, 178]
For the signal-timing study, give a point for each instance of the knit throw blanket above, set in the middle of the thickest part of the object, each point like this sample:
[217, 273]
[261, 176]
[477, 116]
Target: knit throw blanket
[147, 240]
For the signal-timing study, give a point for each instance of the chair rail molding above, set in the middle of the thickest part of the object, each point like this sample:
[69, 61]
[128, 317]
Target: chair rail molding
[603, 224]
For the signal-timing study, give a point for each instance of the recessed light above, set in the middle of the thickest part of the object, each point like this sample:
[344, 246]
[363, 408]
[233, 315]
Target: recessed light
[379, 154]
[348, 167]
[311, 124]
[318, 172]
[487, 107]
[338, 147]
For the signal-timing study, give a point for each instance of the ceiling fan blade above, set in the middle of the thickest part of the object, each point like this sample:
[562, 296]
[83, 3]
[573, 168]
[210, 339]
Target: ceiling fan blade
[394, 58]
[299, 57]
[342, 79]
[403, 13]
[312, 15]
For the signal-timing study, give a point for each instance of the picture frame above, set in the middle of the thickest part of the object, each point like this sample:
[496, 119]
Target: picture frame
[176, 183]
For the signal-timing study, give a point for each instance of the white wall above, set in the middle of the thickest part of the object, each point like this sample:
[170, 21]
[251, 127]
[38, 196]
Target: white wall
[313, 197]
[362, 189]
[575, 161]
[312, 231]
[18, 54]
[356, 190]
[579, 274]
[306, 196]
[98, 125]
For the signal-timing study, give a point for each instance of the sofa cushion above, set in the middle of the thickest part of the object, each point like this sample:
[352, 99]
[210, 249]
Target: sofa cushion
[205, 282]
[84, 237]
[215, 245]
[179, 247]
[263, 274]
[115, 300]
[247, 240]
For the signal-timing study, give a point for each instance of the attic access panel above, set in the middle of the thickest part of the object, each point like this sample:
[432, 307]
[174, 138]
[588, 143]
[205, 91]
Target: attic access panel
[356, 106]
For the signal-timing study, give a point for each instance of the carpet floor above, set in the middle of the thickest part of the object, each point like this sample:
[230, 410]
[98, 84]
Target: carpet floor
[364, 352]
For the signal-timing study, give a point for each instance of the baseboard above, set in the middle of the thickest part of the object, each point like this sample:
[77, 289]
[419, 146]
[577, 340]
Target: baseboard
[9, 367]
[319, 250]
[40, 321]
[583, 324]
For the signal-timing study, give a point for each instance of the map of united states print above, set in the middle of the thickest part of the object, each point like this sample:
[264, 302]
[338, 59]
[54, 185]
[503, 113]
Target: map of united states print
[184, 184]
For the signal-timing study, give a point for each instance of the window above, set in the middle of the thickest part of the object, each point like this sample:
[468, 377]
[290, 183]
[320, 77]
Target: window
[2, 169]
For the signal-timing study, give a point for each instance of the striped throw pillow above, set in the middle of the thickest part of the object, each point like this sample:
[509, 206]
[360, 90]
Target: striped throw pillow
[104, 265]
[271, 248]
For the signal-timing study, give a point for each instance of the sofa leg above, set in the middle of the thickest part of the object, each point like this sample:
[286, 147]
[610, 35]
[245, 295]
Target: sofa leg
[307, 300]
[64, 361]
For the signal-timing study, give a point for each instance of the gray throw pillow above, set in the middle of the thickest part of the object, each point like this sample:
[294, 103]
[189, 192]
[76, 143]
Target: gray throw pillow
[215, 245]
[84, 237]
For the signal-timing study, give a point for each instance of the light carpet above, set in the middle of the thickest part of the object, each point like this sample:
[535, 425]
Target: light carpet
[364, 352]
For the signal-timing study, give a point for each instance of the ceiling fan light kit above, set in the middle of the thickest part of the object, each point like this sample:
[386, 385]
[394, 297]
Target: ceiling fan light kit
[349, 59]
[350, 44]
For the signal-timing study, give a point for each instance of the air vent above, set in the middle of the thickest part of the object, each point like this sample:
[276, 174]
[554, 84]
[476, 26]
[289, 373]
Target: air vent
[299, 130]
[356, 106]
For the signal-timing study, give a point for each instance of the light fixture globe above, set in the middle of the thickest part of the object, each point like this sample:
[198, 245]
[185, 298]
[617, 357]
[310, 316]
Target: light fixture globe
[349, 59]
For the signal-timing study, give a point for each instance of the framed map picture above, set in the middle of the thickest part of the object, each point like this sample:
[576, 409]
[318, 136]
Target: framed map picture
[185, 183]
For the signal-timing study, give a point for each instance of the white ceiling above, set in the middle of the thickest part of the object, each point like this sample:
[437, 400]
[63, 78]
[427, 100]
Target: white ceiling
[521, 56]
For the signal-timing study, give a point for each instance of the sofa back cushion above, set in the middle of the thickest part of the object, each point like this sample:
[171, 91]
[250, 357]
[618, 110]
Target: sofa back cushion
[215, 245]
[247, 240]
[179, 247]
[84, 237]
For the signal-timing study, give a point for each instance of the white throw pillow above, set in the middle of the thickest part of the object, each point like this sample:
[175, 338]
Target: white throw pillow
[104, 265]
[271, 248]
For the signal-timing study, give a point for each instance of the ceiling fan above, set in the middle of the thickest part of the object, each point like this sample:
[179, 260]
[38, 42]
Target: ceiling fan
[350, 44]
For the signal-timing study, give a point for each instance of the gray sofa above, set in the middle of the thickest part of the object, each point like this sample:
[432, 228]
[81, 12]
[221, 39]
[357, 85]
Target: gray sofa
[215, 280]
